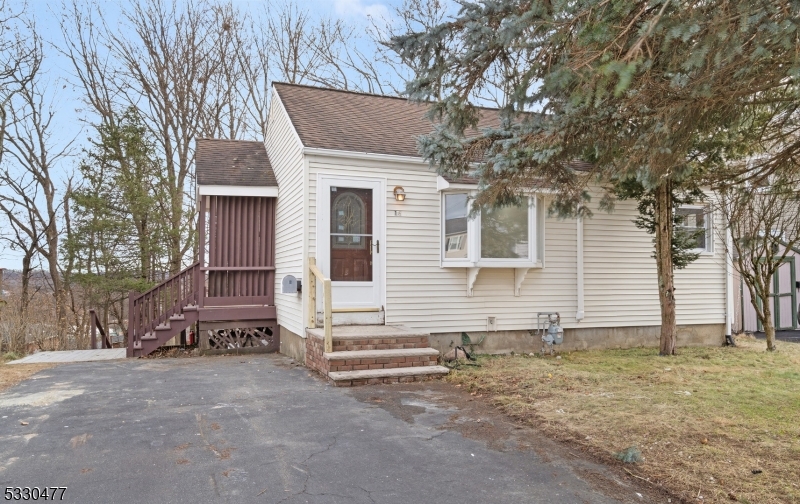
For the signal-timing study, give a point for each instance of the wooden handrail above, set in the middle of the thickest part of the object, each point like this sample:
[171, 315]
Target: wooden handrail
[314, 273]
[94, 325]
[237, 268]
[173, 277]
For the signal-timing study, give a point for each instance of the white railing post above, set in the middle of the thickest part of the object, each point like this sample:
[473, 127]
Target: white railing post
[326, 290]
[313, 274]
[312, 293]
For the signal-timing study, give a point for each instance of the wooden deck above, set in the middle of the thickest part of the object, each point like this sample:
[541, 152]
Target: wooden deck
[72, 356]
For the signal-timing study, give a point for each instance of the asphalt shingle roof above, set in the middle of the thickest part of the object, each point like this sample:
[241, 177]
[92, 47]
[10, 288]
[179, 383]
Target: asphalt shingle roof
[233, 162]
[359, 122]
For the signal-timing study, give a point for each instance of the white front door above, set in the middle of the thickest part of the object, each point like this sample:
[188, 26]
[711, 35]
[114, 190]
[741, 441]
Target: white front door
[350, 233]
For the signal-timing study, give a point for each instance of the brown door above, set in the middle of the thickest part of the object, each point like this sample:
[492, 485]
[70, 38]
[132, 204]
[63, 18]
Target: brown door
[351, 234]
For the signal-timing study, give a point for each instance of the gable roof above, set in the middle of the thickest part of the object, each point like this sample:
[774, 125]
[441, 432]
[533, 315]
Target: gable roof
[233, 163]
[359, 122]
[334, 119]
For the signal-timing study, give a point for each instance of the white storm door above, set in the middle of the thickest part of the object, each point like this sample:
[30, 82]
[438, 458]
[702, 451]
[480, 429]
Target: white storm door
[350, 247]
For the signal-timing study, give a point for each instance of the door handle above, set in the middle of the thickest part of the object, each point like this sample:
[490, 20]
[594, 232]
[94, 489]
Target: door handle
[377, 246]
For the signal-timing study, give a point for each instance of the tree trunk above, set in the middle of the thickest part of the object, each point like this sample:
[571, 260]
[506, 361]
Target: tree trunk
[26, 282]
[666, 272]
[20, 338]
[51, 234]
[769, 325]
[175, 242]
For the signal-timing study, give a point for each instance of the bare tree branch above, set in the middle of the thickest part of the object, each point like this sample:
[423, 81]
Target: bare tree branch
[764, 223]
[29, 172]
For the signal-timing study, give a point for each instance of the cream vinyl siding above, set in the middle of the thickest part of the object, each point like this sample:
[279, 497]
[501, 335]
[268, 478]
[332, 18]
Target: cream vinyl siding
[700, 288]
[620, 281]
[286, 156]
[424, 296]
[619, 272]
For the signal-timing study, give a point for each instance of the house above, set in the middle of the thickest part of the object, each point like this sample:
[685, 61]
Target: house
[387, 257]
[783, 300]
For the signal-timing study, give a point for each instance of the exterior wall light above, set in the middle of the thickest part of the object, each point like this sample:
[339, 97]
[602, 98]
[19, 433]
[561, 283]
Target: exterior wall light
[399, 194]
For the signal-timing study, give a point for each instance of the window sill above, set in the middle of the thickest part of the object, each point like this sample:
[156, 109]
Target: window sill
[491, 264]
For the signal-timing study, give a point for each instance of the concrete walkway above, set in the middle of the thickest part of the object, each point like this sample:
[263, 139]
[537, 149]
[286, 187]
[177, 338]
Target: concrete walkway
[72, 356]
[260, 428]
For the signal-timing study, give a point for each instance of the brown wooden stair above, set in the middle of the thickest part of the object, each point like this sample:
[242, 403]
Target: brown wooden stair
[373, 354]
[160, 314]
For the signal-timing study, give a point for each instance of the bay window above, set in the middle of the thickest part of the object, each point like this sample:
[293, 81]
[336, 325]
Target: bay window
[508, 236]
[505, 232]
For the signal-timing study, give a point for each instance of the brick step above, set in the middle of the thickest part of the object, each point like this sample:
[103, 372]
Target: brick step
[389, 353]
[357, 332]
[380, 344]
[395, 375]
[380, 359]
[375, 337]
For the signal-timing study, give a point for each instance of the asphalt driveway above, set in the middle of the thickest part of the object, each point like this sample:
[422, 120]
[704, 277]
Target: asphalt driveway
[262, 429]
[788, 336]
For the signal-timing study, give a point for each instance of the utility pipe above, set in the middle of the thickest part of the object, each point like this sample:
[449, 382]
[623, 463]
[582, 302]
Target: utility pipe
[579, 266]
[728, 286]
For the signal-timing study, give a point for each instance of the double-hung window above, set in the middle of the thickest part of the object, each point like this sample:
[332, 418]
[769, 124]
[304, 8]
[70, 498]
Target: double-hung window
[496, 237]
[696, 219]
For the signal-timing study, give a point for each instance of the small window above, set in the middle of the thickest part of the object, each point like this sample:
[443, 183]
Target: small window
[499, 237]
[697, 221]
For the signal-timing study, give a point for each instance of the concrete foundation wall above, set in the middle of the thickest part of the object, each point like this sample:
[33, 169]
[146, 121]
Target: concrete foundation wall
[595, 338]
[293, 345]
[504, 342]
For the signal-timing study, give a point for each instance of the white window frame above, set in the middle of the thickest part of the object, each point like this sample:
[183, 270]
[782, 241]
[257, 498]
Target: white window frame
[709, 215]
[473, 259]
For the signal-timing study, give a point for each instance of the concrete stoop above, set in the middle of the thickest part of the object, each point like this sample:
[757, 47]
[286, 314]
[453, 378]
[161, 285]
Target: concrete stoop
[364, 355]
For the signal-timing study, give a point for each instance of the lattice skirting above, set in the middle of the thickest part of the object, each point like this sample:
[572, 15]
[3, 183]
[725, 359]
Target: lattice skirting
[247, 337]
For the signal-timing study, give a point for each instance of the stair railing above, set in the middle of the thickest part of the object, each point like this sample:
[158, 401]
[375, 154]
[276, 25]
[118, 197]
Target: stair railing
[94, 326]
[150, 309]
[314, 274]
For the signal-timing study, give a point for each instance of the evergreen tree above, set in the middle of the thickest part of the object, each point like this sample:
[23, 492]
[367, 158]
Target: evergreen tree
[117, 234]
[666, 94]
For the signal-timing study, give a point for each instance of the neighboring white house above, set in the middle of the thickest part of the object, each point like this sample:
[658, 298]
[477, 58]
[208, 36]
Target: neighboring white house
[341, 159]
[783, 300]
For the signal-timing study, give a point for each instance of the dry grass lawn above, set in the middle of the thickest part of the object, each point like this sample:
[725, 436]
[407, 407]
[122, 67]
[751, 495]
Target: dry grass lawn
[11, 375]
[713, 424]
